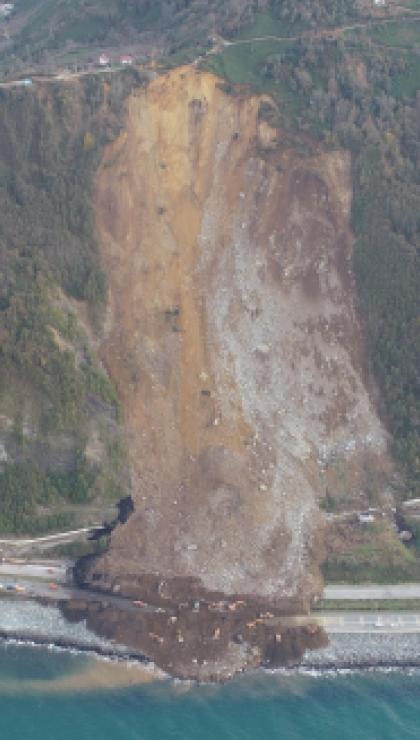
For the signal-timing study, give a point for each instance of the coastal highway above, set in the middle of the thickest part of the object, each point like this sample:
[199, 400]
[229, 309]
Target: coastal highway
[51, 571]
[373, 592]
[369, 622]
[333, 622]
[54, 592]
[53, 580]
[68, 535]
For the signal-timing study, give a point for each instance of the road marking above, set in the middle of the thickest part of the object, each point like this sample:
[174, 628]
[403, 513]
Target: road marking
[372, 623]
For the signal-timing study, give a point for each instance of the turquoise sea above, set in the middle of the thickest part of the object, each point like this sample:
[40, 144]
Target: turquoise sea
[47, 695]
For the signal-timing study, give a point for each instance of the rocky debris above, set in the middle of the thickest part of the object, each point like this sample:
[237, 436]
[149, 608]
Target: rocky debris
[233, 337]
[365, 651]
[201, 643]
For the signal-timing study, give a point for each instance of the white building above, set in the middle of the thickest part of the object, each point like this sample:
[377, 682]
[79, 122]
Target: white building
[6, 9]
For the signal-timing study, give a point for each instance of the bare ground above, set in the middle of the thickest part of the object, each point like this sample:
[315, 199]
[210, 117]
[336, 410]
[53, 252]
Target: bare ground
[233, 338]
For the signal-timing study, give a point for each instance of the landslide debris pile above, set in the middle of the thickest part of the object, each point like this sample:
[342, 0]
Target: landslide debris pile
[233, 341]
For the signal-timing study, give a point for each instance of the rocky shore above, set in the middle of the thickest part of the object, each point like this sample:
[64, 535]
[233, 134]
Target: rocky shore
[344, 652]
[28, 621]
[40, 624]
[360, 651]
[200, 640]
[113, 651]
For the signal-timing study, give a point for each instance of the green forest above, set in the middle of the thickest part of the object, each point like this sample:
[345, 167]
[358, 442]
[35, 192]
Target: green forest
[52, 387]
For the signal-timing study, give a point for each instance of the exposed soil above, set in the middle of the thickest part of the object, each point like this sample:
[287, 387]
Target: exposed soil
[233, 338]
[207, 642]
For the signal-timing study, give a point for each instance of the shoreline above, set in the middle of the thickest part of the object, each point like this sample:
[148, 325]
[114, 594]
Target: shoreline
[121, 654]
[35, 623]
[359, 665]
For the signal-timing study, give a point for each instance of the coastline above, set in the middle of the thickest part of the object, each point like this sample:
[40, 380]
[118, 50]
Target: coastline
[345, 651]
[28, 622]
[365, 651]
[117, 652]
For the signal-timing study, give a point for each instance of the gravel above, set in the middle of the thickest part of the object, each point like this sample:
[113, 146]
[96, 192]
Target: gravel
[345, 650]
[30, 618]
[366, 650]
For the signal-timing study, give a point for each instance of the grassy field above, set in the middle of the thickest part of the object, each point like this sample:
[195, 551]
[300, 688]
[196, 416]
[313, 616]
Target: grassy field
[242, 65]
[40, 14]
[403, 40]
[370, 554]
[405, 34]
[187, 53]
[356, 568]
[408, 83]
[348, 570]
[267, 25]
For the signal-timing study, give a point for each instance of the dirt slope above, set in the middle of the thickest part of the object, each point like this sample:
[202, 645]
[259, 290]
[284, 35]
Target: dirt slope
[234, 342]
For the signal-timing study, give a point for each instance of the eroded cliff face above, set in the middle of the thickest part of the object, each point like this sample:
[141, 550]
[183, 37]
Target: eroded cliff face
[233, 339]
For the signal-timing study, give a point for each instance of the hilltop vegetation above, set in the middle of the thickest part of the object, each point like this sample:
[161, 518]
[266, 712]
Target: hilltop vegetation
[59, 31]
[48, 32]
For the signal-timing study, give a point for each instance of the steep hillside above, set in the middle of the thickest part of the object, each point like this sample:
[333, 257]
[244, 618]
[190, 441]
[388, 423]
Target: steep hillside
[209, 297]
[233, 339]
[60, 441]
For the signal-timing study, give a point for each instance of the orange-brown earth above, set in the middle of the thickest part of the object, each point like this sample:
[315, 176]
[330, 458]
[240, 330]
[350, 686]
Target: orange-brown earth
[233, 338]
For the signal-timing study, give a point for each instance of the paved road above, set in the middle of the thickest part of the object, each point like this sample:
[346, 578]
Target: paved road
[52, 580]
[54, 571]
[50, 537]
[38, 588]
[374, 591]
[369, 622]
[61, 77]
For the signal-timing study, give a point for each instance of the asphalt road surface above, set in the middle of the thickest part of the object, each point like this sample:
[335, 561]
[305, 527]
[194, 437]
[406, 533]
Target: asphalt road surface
[368, 622]
[374, 592]
[53, 580]
[50, 537]
[54, 571]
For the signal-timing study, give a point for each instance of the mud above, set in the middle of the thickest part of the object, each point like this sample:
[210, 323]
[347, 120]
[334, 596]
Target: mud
[205, 641]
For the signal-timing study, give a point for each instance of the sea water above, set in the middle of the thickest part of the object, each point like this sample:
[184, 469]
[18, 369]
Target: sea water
[51, 695]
